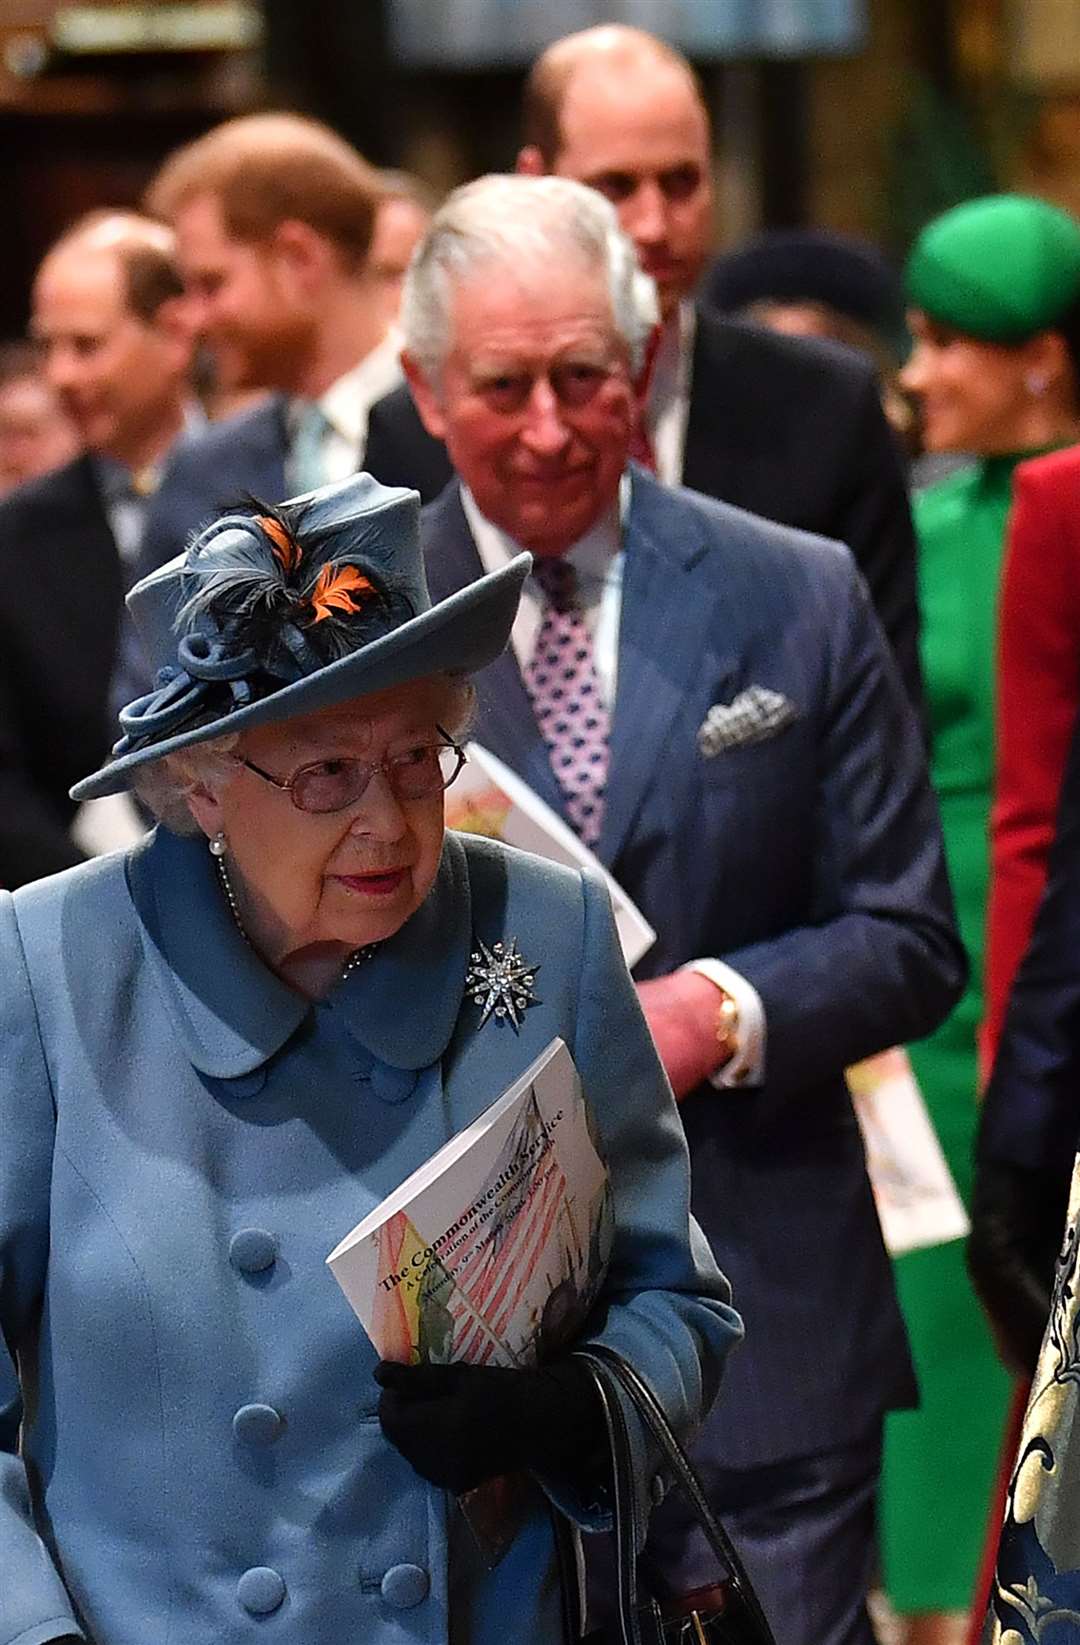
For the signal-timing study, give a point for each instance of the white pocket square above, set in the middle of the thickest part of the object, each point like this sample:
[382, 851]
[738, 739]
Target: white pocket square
[756, 714]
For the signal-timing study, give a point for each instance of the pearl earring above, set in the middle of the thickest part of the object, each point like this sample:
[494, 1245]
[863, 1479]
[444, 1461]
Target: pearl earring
[217, 845]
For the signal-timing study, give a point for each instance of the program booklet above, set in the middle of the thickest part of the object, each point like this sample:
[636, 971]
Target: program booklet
[916, 1197]
[488, 798]
[494, 1250]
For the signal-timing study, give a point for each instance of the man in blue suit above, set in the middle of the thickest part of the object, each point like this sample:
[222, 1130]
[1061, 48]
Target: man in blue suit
[708, 699]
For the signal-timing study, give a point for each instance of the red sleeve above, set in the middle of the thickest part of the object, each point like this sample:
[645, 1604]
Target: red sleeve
[1038, 692]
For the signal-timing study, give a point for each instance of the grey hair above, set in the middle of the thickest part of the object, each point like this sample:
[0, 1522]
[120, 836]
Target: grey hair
[163, 785]
[514, 222]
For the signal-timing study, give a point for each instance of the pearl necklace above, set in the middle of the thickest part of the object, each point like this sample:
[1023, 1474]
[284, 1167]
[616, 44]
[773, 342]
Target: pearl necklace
[357, 957]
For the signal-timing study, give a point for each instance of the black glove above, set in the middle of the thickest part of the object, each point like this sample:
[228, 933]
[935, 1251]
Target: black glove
[1017, 1222]
[461, 1424]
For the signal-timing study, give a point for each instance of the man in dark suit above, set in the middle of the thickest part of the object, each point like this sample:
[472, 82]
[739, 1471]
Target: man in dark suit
[116, 345]
[788, 428]
[707, 698]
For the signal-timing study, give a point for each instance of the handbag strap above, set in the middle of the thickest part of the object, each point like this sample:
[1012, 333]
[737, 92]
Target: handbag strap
[611, 1374]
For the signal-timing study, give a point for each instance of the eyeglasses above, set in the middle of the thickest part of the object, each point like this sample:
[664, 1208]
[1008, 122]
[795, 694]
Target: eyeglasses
[334, 785]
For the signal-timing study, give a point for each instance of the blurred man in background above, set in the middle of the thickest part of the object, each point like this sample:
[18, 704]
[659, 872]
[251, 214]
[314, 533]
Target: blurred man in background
[274, 216]
[35, 433]
[788, 428]
[109, 318]
[401, 221]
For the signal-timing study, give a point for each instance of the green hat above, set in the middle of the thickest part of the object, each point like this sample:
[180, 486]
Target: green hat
[1001, 269]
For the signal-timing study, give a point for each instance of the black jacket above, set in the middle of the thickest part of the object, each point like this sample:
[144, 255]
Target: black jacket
[61, 592]
[789, 429]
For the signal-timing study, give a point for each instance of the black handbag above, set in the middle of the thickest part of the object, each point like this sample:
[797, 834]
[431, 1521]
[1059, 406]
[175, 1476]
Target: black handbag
[730, 1613]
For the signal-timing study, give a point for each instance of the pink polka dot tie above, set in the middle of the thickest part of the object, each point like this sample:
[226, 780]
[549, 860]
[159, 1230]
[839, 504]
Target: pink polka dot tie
[561, 681]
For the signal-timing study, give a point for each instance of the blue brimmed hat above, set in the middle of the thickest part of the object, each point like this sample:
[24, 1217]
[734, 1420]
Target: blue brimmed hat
[278, 612]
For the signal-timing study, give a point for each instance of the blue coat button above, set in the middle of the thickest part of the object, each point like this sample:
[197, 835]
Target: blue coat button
[392, 1084]
[404, 1586]
[257, 1424]
[260, 1590]
[252, 1250]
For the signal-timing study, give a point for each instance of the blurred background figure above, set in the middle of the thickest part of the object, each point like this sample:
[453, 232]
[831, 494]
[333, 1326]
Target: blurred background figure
[810, 283]
[728, 407]
[111, 327]
[993, 374]
[35, 434]
[116, 346]
[405, 209]
[274, 216]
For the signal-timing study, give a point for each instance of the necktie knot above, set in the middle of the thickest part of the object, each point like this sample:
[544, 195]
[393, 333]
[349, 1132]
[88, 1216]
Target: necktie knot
[310, 426]
[557, 581]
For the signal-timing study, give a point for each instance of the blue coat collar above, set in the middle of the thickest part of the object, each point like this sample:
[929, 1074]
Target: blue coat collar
[231, 1013]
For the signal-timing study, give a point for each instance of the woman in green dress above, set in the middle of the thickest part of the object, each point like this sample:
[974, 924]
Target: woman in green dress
[988, 284]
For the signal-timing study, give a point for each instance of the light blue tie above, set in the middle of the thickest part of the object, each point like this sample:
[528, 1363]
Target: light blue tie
[307, 454]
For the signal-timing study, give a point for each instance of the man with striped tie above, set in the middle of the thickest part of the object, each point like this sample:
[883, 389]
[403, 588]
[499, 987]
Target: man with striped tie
[708, 700]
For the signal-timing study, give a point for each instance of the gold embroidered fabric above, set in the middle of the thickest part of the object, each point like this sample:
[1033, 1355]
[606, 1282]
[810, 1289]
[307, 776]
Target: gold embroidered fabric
[1036, 1593]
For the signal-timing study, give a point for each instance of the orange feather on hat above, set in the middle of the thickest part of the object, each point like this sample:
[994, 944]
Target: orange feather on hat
[286, 549]
[335, 588]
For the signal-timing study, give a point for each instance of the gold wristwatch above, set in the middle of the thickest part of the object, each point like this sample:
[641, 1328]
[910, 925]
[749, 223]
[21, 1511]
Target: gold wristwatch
[727, 1027]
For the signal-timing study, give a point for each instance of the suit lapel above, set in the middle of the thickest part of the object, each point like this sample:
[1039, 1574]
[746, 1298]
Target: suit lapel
[666, 628]
[710, 442]
[505, 720]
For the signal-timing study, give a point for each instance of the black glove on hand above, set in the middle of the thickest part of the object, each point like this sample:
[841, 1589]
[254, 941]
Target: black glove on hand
[461, 1424]
[1017, 1222]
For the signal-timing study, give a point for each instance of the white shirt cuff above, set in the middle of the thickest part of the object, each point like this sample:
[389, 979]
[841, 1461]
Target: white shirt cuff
[747, 1065]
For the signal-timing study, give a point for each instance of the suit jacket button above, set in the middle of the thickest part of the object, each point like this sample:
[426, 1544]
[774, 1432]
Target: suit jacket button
[252, 1250]
[404, 1586]
[257, 1424]
[260, 1590]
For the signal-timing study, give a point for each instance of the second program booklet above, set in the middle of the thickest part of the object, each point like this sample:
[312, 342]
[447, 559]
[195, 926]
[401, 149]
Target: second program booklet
[493, 1251]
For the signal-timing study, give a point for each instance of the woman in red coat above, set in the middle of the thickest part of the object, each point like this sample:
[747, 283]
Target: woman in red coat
[1037, 700]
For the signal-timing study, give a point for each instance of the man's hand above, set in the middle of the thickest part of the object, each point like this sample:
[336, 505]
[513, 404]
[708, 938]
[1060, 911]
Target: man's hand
[682, 1011]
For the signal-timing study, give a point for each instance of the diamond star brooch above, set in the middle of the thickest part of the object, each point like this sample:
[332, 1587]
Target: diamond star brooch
[500, 982]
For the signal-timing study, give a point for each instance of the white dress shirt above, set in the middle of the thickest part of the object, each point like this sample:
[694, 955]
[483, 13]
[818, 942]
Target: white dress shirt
[598, 559]
[125, 494]
[667, 407]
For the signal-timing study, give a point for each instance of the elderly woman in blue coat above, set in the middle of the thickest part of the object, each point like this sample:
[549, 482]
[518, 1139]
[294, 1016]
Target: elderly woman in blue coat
[216, 1061]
